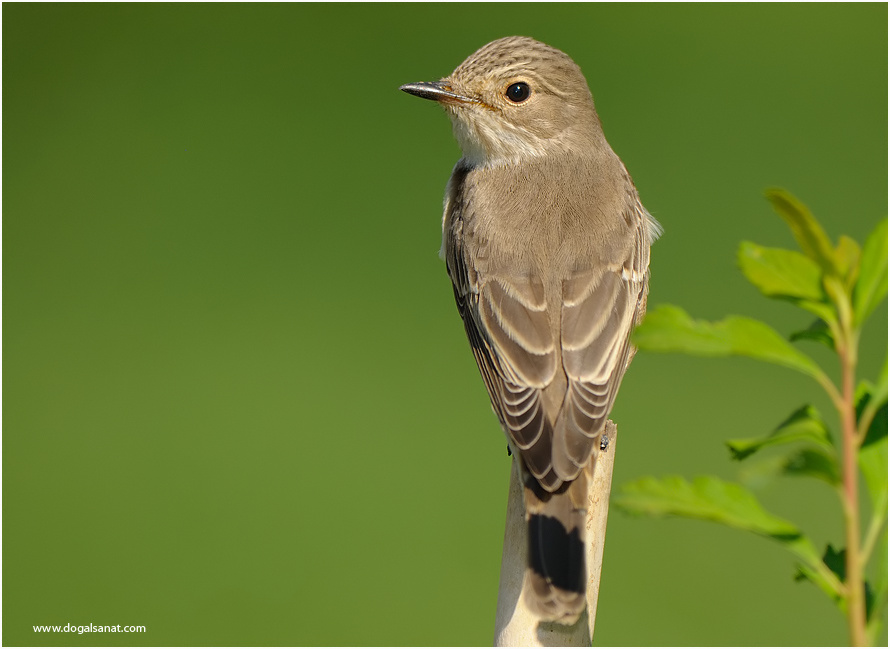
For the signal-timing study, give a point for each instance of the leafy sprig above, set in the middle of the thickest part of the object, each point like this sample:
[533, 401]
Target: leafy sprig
[841, 285]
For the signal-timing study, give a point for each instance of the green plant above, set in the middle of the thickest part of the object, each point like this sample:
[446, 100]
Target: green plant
[841, 285]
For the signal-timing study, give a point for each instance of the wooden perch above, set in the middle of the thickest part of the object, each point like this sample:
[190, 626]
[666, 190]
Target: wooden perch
[515, 626]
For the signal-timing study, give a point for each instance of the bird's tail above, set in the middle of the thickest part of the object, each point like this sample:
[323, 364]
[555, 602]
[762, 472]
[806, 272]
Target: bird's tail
[556, 576]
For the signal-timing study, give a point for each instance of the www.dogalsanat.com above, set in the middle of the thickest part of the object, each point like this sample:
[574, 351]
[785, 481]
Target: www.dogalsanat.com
[89, 628]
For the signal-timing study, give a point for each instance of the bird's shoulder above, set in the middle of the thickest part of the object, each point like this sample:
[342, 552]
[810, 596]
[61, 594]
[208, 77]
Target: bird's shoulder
[542, 215]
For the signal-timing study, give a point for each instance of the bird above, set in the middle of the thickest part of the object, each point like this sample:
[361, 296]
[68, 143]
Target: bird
[547, 246]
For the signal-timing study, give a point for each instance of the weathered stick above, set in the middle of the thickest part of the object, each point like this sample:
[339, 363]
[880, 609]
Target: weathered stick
[515, 625]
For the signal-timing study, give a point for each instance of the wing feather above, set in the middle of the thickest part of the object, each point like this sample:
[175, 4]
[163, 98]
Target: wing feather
[599, 311]
[510, 331]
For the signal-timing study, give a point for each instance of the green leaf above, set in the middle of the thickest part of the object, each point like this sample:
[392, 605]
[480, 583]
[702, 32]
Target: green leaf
[873, 464]
[706, 498]
[876, 614]
[800, 462]
[813, 463]
[817, 331]
[871, 287]
[781, 273]
[803, 425]
[870, 599]
[711, 499]
[787, 275]
[826, 312]
[872, 401]
[670, 329]
[834, 561]
[827, 585]
[810, 236]
[848, 254]
[871, 398]
[757, 474]
[880, 389]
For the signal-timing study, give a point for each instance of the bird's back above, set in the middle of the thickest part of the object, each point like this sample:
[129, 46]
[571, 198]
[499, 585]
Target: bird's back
[531, 239]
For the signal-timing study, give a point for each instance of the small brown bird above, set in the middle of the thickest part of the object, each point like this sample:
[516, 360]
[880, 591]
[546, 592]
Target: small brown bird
[547, 245]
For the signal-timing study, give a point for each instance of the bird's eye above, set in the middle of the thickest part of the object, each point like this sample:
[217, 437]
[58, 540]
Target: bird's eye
[518, 92]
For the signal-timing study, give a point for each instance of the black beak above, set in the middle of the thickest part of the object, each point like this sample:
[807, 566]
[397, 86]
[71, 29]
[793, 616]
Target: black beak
[437, 91]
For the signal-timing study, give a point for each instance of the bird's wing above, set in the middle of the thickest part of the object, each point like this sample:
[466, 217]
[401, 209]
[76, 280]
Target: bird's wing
[599, 310]
[509, 331]
[508, 326]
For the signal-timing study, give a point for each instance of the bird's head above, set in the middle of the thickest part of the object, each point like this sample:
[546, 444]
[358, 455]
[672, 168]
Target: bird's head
[515, 99]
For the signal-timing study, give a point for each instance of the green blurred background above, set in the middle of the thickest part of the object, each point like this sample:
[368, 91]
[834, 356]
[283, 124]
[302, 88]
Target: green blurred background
[239, 405]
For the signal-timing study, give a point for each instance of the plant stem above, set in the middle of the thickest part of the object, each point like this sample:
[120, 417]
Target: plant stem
[854, 572]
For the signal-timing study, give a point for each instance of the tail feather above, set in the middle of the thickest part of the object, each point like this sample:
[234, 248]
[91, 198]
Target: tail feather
[556, 575]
